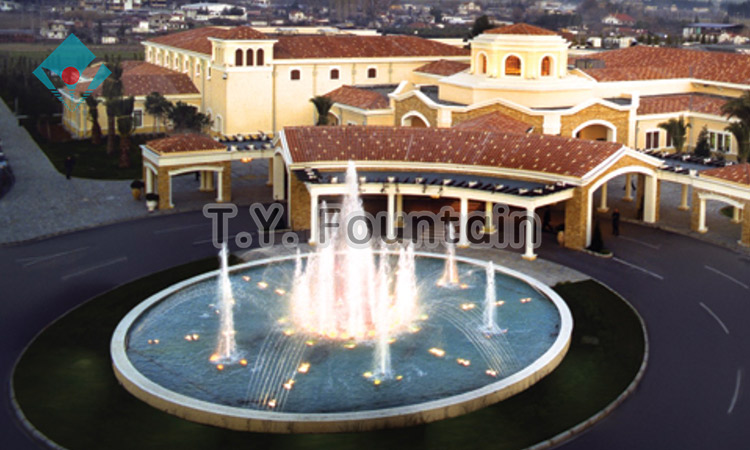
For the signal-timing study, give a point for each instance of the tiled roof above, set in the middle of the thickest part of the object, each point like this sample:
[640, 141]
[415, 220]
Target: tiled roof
[241, 33]
[737, 173]
[700, 103]
[654, 63]
[533, 152]
[351, 46]
[521, 28]
[359, 98]
[443, 67]
[185, 143]
[142, 78]
[494, 121]
[316, 46]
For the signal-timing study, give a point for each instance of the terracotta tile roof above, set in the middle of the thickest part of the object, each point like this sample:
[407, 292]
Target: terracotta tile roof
[737, 173]
[443, 67]
[142, 78]
[494, 121]
[195, 40]
[241, 33]
[521, 28]
[350, 46]
[185, 143]
[700, 103]
[533, 152]
[654, 63]
[359, 98]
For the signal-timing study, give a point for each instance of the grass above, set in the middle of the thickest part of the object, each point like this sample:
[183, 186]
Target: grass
[65, 385]
[92, 161]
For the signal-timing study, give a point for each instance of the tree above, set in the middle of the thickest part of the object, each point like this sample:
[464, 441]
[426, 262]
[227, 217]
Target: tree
[739, 108]
[96, 130]
[157, 106]
[677, 130]
[112, 91]
[186, 117]
[125, 129]
[702, 146]
[322, 105]
[437, 13]
[481, 24]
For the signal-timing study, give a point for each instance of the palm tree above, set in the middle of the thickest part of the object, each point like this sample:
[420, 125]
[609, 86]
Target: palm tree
[125, 128]
[322, 105]
[112, 90]
[677, 129]
[96, 131]
[186, 117]
[739, 108]
[157, 106]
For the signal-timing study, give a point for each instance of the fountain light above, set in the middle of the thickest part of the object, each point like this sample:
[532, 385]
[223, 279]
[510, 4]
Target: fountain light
[156, 341]
[377, 382]
[272, 403]
[246, 278]
[468, 306]
[463, 286]
[414, 329]
[424, 317]
[439, 352]
[195, 336]
[262, 284]
[215, 357]
[463, 362]
[289, 384]
[189, 337]
[309, 342]
[220, 367]
[288, 332]
[243, 362]
[303, 368]
[399, 377]
[280, 291]
[500, 302]
[350, 345]
[491, 372]
[367, 374]
[526, 300]
[282, 321]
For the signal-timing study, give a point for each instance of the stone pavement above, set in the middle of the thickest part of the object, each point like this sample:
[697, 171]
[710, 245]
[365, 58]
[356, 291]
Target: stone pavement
[43, 203]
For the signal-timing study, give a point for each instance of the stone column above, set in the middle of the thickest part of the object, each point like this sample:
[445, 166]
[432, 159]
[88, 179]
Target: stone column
[399, 210]
[641, 193]
[745, 239]
[390, 225]
[603, 200]
[628, 189]
[313, 219]
[463, 238]
[736, 215]
[225, 182]
[528, 253]
[489, 226]
[684, 206]
[698, 214]
[576, 219]
[279, 173]
[270, 172]
[164, 189]
[209, 180]
[149, 177]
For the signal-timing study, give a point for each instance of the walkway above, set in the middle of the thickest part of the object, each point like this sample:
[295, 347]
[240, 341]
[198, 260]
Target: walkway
[43, 203]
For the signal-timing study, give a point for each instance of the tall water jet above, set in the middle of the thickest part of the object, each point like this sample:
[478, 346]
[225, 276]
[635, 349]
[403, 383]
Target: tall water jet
[450, 272]
[490, 301]
[226, 347]
[382, 321]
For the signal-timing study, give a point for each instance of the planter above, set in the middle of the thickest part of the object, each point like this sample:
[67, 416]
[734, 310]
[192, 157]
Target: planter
[136, 194]
[152, 201]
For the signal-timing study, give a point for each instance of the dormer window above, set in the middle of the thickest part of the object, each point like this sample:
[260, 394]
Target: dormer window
[249, 57]
[372, 72]
[334, 74]
[482, 63]
[513, 66]
[294, 74]
[546, 66]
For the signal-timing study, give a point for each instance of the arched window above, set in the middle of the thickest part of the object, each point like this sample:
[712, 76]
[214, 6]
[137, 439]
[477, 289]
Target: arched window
[546, 66]
[513, 66]
[372, 72]
[260, 57]
[482, 63]
[334, 74]
[249, 57]
[238, 58]
[294, 74]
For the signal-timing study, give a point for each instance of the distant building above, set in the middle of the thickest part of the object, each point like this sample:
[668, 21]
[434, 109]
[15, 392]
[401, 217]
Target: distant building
[9, 6]
[619, 19]
[713, 29]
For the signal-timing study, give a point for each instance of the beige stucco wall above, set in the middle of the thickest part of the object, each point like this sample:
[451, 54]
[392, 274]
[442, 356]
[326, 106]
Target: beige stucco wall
[649, 123]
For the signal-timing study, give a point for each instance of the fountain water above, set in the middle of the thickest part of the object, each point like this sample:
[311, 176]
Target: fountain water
[490, 302]
[450, 273]
[226, 347]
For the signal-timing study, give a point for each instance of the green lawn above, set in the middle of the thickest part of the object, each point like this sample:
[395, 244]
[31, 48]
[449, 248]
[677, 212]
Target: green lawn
[92, 161]
[66, 388]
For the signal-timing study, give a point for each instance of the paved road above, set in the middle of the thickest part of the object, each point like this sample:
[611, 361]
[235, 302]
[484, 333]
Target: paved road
[694, 297]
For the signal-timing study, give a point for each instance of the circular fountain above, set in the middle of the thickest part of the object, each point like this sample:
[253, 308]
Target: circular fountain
[346, 338]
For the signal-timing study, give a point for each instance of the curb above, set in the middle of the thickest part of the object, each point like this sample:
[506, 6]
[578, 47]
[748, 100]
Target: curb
[572, 433]
[697, 236]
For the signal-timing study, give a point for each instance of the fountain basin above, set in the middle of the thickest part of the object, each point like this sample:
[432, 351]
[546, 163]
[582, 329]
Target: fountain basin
[176, 376]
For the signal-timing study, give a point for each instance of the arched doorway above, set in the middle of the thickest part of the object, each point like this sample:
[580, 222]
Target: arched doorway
[596, 130]
[414, 119]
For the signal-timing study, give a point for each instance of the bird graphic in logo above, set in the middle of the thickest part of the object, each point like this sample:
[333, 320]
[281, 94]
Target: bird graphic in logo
[68, 61]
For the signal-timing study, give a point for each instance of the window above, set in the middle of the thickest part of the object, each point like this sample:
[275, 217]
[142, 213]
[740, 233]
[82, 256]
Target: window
[372, 72]
[238, 58]
[669, 139]
[513, 66]
[652, 140]
[482, 63]
[294, 74]
[208, 73]
[720, 142]
[334, 74]
[546, 66]
[197, 68]
[137, 118]
[249, 57]
[260, 57]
